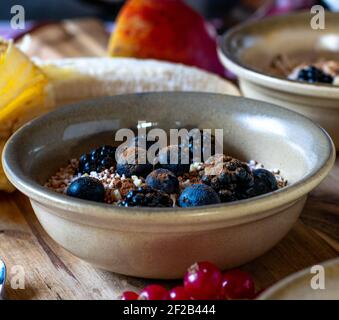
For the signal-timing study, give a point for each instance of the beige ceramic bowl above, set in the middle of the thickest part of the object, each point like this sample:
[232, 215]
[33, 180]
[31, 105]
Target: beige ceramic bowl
[298, 285]
[162, 243]
[248, 50]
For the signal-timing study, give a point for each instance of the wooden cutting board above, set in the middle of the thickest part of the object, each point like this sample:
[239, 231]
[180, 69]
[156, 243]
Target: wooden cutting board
[53, 273]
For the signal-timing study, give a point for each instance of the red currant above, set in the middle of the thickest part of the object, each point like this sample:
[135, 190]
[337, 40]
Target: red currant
[237, 284]
[203, 281]
[154, 292]
[129, 295]
[179, 293]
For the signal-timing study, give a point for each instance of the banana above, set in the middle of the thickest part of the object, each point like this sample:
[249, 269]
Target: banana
[31, 88]
[83, 78]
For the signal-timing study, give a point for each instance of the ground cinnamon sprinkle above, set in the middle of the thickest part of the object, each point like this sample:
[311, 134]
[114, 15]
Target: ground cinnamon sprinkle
[117, 187]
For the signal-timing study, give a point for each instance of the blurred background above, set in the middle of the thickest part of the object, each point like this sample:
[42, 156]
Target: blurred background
[68, 28]
[227, 12]
[107, 9]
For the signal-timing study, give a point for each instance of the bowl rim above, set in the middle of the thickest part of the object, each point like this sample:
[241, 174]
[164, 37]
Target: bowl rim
[242, 70]
[233, 212]
[294, 280]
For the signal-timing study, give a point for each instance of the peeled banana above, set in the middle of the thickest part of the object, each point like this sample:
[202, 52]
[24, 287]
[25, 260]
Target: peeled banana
[30, 88]
[82, 78]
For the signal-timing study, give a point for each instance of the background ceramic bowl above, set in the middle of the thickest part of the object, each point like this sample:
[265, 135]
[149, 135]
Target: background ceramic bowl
[248, 50]
[298, 285]
[162, 243]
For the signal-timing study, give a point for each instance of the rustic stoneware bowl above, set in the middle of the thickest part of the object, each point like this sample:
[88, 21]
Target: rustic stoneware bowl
[162, 243]
[249, 49]
[298, 285]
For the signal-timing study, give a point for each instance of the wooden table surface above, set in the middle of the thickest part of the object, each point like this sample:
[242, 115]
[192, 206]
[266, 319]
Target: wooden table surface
[53, 273]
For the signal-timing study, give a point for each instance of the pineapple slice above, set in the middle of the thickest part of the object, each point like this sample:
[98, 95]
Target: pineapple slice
[23, 88]
[24, 94]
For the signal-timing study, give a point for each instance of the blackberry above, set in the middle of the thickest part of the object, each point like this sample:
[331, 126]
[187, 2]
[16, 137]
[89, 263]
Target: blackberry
[97, 160]
[264, 182]
[179, 165]
[312, 74]
[129, 164]
[163, 180]
[145, 196]
[198, 195]
[228, 176]
[87, 188]
[226, 195]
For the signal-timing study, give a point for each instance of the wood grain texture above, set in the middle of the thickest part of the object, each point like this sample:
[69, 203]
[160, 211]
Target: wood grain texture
[70, 38]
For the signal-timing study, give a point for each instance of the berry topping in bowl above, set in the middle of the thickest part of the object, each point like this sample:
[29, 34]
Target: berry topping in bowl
[145, 196]
[133, 162]
[312, 74]
[87, 188]
[97, 160]
[264, 182]
[198, 195]
[228, 176]
[132, 181]
[163, 180]
[170, 158]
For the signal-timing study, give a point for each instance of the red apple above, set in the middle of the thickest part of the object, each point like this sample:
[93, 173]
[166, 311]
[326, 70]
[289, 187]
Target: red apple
[165, 30]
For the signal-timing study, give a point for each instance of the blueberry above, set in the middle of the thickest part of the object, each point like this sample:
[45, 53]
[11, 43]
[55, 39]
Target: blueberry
[312, 74]
[87, 188]
[198, 195]
[264, 182]
[128, 163]
[163, 180]
[178, 167]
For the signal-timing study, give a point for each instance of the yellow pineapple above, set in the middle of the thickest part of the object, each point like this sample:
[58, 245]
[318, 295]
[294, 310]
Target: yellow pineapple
[24, 94]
